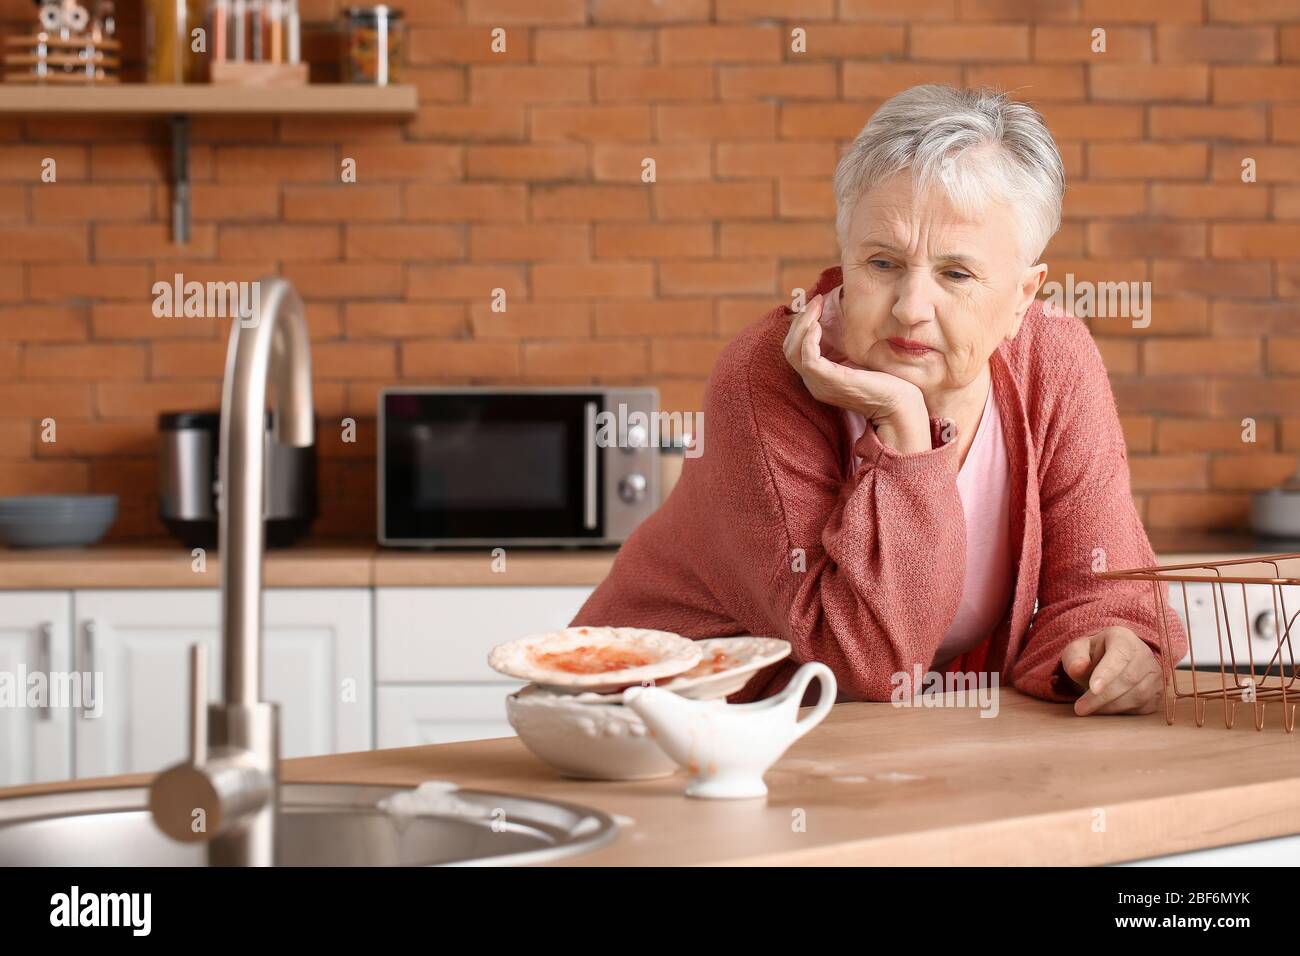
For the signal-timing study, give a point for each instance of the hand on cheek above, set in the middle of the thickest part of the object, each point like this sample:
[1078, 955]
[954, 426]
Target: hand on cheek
[1117, 672]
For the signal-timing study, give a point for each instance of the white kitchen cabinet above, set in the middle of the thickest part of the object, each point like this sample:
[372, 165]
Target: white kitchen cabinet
[317, 667]
[431, 648]
[424, 635]
[410, 715]
[35, 742]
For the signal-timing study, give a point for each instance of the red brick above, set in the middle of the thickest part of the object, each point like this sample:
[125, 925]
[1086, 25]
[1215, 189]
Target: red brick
[1177, 43]
[532, 162]
[25, 163]
[792, 81]
[863, 79]
[674, 162]
[1207, 122]
[1255, 84]
[1197, 201]
[78, 202]
[39, 323]
[455, 44]
[30, 243]
[460, 361]
[469, 123]
[838, 40]
[1030, 84]
[1256, 240]
[1142, 11]
[424, 161]
[763, 160]
[403, 241]
[279, 242]
[463, 281]
[654, 241]
[342, 201]
[1202, 356]
[591, 123]
[528, 242]
[619, 280]
[1073, 44]
[401, 320]
[1147, 160]
[970, 43]
[1145, 84]
[720, 44]
[466, 202]
[593, 45]
[521, 12]
[705, 122]
[654, 83]
[589, 203]
[584, 361]
[120, 241]
[530, 320]
[1093, 120]
[529, 84]
[1273, 164]
[1142, 238]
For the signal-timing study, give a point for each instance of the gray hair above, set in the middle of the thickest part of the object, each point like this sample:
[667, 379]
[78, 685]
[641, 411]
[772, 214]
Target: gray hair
[978, 145]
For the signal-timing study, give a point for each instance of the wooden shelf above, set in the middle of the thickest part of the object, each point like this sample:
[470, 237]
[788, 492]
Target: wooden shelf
[199, 99]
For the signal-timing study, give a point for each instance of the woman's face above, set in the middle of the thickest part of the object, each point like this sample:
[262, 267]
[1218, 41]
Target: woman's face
[929, 293]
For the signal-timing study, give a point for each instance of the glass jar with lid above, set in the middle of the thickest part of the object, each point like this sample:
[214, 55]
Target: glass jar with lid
[375, 38]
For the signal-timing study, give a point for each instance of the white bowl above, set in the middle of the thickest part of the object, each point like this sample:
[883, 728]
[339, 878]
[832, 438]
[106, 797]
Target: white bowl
[590, 741]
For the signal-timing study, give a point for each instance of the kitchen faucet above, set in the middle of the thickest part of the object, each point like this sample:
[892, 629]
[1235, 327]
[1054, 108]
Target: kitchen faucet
[227, 792]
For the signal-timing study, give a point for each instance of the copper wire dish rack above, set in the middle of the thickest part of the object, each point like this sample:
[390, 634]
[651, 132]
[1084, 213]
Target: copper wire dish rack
[1242, 678]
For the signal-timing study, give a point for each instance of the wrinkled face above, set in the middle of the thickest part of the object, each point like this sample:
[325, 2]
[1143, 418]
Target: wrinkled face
[930, 293]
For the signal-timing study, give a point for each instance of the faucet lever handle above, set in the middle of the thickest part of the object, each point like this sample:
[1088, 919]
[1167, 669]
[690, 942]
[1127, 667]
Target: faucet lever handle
[198, 703]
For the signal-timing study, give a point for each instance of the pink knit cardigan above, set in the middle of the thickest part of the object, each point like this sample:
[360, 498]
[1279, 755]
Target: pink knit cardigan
[771, 531]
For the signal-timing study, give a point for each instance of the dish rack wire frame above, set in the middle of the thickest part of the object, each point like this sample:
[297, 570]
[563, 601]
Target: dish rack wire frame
[1237, 679]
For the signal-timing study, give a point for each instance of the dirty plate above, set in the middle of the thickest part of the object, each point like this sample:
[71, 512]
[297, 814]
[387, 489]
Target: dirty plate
[726, 665]
[597, 659]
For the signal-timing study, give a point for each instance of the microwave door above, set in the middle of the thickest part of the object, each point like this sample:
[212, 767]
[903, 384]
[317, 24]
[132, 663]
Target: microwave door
[487, 468]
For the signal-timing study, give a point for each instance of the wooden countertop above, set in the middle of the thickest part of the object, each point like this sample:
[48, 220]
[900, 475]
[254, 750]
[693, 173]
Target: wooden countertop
[880, 785]
[167, 564]
[170, 565]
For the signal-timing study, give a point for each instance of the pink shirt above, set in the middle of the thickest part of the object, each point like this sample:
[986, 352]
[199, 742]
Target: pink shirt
[985, 487]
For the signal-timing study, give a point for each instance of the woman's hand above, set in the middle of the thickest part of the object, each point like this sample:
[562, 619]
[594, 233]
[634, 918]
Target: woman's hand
[1116, 669]
[894, 406]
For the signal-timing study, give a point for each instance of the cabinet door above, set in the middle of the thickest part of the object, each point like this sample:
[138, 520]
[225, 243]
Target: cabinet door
[316, 652]
[424, 635]
[36, 741]
[412, 715]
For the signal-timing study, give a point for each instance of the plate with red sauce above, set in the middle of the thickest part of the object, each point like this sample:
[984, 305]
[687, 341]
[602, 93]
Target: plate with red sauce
[598, 659]
[726, 665]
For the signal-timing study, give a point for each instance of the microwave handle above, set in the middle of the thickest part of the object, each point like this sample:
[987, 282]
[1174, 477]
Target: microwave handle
[589, 469]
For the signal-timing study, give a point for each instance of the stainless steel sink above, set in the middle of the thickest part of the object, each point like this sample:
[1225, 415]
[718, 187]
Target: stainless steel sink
[319, 825]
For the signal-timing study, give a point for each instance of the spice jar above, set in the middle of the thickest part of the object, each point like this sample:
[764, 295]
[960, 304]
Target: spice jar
[374, 45]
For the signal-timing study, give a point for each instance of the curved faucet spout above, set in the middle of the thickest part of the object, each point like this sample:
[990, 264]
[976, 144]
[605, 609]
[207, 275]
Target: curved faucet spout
[271, 345]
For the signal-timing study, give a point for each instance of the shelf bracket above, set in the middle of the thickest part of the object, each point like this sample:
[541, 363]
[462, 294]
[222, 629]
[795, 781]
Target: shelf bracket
[180, 179]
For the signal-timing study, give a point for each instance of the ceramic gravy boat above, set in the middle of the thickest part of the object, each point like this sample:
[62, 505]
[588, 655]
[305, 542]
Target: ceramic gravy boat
[728, 747]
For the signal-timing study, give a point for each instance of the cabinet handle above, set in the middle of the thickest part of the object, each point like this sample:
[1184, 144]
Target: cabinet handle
[88, 652]
[44, 650]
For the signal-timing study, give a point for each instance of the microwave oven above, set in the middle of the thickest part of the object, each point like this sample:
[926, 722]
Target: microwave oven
[475, 466]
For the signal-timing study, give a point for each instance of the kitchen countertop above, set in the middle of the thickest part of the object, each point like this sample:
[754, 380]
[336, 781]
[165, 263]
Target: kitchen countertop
[167, 564]
[876, 784]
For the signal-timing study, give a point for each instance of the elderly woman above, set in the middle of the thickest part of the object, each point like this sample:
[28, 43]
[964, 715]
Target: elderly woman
[922, 467]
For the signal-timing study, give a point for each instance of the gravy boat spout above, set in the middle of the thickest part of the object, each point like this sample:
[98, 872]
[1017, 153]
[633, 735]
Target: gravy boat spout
[726, 748]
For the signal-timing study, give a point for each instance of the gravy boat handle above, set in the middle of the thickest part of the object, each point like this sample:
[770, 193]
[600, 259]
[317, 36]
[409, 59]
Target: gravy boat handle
[799, 683]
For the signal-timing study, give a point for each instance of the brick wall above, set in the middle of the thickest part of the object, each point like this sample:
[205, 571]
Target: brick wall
[522, 171]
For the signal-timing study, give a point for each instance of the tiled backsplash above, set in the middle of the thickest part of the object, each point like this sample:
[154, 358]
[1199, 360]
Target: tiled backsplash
[523, 171]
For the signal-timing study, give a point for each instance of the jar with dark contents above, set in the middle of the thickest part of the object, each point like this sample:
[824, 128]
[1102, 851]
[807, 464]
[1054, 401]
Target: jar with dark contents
[375, 38]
